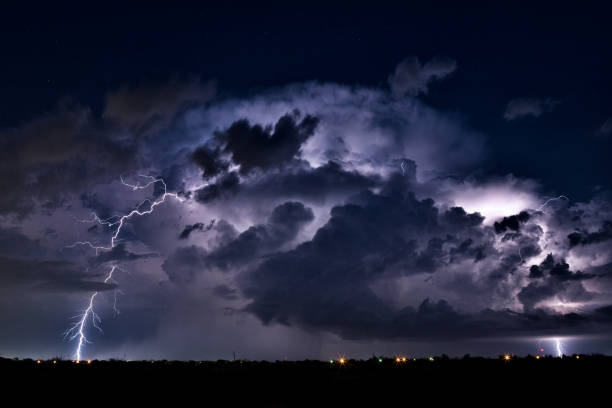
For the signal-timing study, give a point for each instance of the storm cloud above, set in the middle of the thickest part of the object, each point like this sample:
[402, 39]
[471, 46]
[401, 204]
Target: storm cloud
[282, 226]
[256, 147]
[355, 212]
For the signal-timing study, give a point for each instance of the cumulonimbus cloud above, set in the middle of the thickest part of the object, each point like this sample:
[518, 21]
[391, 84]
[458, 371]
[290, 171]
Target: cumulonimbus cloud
[357, 216]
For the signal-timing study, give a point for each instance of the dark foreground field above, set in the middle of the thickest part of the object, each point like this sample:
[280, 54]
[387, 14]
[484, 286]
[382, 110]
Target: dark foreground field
[374, 382]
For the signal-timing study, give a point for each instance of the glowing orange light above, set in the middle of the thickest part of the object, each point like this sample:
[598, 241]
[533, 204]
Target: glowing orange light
[342, 361]
[403, 359]
[37, 361]
[76, 361]
[577, 356]
[537, 357]
[397, 359]
[507, 357]
[88, 361]
[54, 362]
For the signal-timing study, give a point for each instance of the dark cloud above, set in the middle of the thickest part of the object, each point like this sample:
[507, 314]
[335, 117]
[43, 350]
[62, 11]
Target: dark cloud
[328, 283]
[258, 147]
[74, 286]
[468, 249]
[511, 223]
[585, 238]
[521, 107]
[198, 226]
[554, 278]
[283, 225]
[146, 102]
[49, 159]
[226, 186]
[304, 182]
[224, 233]
[14, 244]
[209, 160]
[559, 270]
[118, 253]
[185, 263]
[225, 292]
[390, 235]
[300, 182]
[413, 78]
[55, 276]
[457, 218]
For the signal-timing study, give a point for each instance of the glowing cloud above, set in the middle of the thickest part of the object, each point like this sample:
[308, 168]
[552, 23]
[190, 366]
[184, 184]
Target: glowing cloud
[494, 201]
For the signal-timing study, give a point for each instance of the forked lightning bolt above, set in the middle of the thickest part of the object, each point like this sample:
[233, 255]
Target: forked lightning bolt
[77, 331]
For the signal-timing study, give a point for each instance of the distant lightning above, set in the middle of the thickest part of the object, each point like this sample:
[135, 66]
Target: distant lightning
[559, 347]
[540, 208]
[77, 331]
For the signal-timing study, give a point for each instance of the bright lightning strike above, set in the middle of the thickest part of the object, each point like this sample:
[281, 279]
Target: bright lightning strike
[559, 347]
[561, 197]
[403, 167]
[77, 331]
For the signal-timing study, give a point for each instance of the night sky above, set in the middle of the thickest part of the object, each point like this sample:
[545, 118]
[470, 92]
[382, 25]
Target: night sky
[305, 182]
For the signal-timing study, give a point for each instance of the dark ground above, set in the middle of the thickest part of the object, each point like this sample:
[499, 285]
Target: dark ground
[374, 382]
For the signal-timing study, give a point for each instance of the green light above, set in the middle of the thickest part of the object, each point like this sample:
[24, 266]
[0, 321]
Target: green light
[380, 360]
[430, 358]
[331, 361]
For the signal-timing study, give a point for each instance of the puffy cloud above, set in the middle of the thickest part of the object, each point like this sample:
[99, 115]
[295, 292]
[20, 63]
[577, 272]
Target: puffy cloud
[185, 263]
[456, 218]
[413, 78]
[554, 280]
[511, 223]
[521, 107]
[371, 237]
[281, 228]
[256, 147]
[209, 161]
[224, 187]
[365, 129]
[586, 238]
[393, 237]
